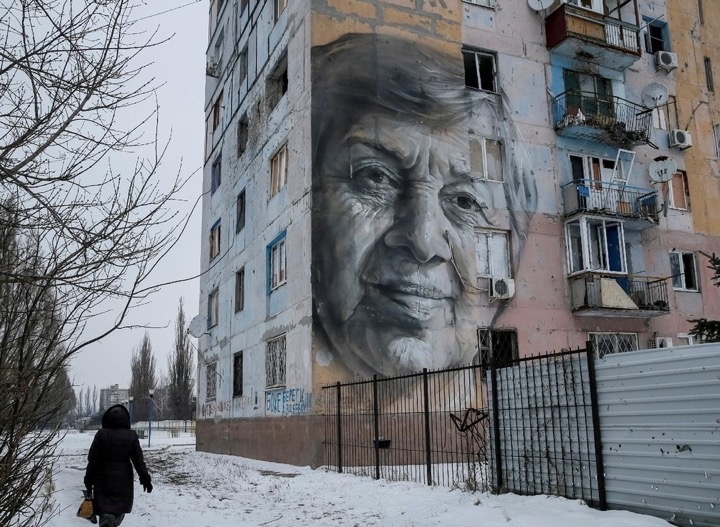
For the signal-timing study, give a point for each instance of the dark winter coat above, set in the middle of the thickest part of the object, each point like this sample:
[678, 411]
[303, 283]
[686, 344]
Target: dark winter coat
[109, 470]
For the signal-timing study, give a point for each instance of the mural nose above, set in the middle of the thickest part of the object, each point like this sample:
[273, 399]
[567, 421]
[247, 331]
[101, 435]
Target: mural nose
[421, 232]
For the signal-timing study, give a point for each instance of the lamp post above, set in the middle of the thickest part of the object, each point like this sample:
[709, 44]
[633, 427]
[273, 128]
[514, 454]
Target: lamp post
[130, 401]
[151, 391]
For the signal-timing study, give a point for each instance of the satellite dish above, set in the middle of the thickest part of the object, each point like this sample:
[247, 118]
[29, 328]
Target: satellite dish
[540, 5]
[197, 326]
[662, 169]
[654, 95]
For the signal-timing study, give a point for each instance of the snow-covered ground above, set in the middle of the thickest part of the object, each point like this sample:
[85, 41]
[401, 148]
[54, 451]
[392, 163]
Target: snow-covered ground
[196, 489]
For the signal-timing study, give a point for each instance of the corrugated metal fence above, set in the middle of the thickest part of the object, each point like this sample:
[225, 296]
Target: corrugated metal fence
[660, 428]
[650, 419]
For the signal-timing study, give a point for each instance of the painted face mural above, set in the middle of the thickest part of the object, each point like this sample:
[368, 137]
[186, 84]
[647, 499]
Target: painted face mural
[404, 178]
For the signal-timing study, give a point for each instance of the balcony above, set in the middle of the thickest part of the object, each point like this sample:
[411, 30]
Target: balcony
[593, 37]
[618, 296]
[610, 120]
[611, 199]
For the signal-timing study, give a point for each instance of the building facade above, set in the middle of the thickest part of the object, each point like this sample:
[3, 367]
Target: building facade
[407, 184]
[111, 396]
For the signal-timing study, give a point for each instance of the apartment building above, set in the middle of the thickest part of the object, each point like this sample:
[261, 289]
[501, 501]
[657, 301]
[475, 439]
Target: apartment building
[407, 184]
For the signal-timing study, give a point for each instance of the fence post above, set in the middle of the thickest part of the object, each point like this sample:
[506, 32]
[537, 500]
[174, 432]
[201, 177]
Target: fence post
[496, 426]
[339, 429]
[426, 400]
[599, 463]
[376, 425]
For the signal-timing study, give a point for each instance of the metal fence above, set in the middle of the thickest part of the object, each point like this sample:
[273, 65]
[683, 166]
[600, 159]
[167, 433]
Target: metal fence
[525, 428]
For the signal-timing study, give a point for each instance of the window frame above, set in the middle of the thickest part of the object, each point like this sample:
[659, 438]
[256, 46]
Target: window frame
[709, 81]
[215, 240]
[492, 239]
[240, 290]
[479, 75]
[616, 343]
[279, 7]
[240, 210]
[680, 279]
[279, 170]
[217, 111]
[497, 158]
[655, 43]
[238, 359]
[213, 314]
[603, 256]
[216, 173]
[276, 251]
[276, 362]
[243, 133]
[488, 340]
[685, 191]
[716, 134]
[211, 375]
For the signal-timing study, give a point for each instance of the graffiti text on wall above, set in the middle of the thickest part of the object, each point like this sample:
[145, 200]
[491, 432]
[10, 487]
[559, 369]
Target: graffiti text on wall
[292, 401]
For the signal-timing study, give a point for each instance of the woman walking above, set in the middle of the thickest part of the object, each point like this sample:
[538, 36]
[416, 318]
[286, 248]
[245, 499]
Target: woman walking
[109, 474]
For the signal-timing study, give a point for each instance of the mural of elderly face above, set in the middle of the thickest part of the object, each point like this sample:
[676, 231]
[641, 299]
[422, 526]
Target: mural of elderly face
[396, 204]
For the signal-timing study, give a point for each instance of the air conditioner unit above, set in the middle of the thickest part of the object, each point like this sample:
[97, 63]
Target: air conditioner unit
[502, 288]
[661, 342]
[664, 60]
[211, 70]
[680, 139]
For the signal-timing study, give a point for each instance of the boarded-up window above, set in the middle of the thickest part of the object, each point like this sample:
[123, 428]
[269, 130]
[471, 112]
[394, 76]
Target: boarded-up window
[275, 362]
[215, 240]
[492, 255]
[213, 308]
[211, 381]
[679, 191]
[278, 170]
[486, 159]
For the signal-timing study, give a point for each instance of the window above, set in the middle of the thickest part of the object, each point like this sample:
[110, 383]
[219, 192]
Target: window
[594, 5]
[243, 5]
[591, 94]
[685, 339]
[215, 240]
[701, 14]
[709, 74]
[213, 307]
[217, 112]
[485, 3]
[679, 192]
[479, 70]
[277, 263]
[608, 343]
[683, 271]
[498, 345]
[242, 66]
[275, 362]
[242, 134]
[278, 170]
[216, 173]
[665, 116]
[240, 290]
[716, 133]
[486, 159]
[240, 212]
[657, 36]
[492, 255]
[218, 53]
[279, 7]
[211, 381]
[595, 244]
[277, 84]
[592, 171]
[238, 374]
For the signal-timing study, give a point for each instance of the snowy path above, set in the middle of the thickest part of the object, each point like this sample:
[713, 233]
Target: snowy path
[196, 489]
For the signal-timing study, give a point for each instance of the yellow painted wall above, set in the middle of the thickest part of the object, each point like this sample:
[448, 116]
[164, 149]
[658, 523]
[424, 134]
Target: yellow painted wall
[698, 108]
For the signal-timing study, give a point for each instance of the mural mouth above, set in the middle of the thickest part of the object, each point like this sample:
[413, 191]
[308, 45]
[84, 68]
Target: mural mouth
[413, 300]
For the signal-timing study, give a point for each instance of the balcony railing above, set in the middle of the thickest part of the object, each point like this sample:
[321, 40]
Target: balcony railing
[599, 38]
[611, 199]
[629, 296]
[613, 120]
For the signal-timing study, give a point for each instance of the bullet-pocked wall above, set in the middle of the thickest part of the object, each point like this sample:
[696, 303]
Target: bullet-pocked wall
[423, 189]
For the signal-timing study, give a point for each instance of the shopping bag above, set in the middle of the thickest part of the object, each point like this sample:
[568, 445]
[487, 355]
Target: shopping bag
[86, 509]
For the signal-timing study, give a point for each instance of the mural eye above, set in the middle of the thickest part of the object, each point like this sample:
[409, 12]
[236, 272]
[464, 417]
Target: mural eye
[466, 202]
[375, 178]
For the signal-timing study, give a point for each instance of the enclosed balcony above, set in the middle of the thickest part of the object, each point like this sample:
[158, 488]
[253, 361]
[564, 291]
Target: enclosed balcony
[625, 296]
[611, 120]
[613, 199]
[602, 38]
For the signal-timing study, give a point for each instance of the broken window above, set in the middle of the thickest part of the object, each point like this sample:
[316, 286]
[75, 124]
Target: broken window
[479, 70]
[275, 362]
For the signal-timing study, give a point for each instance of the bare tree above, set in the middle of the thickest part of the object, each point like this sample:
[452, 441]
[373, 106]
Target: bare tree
[78, 234]
[80, 407]
[95, 407]
[181, 367]
[142, 377]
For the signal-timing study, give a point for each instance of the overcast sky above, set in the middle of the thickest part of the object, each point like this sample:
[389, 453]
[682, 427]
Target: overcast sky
[180, 66]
